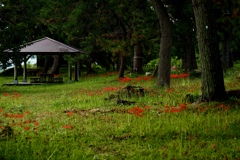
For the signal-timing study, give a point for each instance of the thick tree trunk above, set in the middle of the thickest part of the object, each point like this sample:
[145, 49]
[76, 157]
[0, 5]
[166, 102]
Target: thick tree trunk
[211, 67]
[55, 65]
[164, 65]
[137, 59]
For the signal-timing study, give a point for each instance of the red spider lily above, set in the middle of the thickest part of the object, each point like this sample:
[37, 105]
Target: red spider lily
[137, 111]
[27, 128]
[183, 106]
[174, 109]
[170, 90]
[5, 115]
[227, 107]
[143, 78]
[28, 121]
[183, 75]
[16, 95]
[220, 106]
[110, 89]
[147, 107]
[36, 124]
[6, 94]
[1, 109]
[69, 114]
[124, 80]
[68, 127]
[13, 115]
[1, 127]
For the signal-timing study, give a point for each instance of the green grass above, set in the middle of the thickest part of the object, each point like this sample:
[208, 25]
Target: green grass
[74, 121]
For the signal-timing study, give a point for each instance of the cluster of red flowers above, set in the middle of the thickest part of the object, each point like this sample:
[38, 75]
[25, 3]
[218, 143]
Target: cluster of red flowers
[13, 115]
[14, 95]
[143, 78]
[69, 114]
[183, 75]
[22, 123]
[223, 106]
[124, 80]
[68, 126]
[138, 111]
[110, 89]
[175, 109]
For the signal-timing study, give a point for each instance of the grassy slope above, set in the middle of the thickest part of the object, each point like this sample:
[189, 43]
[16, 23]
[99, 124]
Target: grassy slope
[73, 121]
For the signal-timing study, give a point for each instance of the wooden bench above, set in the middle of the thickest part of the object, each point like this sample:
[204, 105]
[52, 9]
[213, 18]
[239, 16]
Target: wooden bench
[34, 80]
[58, 80]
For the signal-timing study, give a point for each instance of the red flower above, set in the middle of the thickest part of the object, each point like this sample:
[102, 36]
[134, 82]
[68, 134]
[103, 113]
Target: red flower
[1, 127]
[6, 94]
[36, 124]
[68, 127]
[183, 106]
[1, 109]
[70, 114]
[110, 89]
[227, 107]
[147, 107]
[173, 110]
[170, 90]
[16, 116]
[27, 128]
[220, 106]
[137, 111]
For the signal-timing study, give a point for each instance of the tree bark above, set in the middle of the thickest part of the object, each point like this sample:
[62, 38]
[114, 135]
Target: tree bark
[122, 66]
[211, 67]
[46, 62]
[164, 64]
[137, 58]
[55, 65]
[189, 57]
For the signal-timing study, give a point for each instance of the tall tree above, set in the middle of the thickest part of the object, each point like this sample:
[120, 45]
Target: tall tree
[164, 65]
[212, 73]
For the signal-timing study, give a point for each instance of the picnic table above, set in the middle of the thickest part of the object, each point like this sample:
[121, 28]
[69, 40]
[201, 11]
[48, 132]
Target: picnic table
[46, 78]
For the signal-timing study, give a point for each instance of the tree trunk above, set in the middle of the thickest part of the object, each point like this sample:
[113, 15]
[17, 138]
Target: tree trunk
[122, 66]
[189, 58]
[55, 65]
[46, 62]
[226, 54]
[137, 59]
[164, 64]
[211, 67]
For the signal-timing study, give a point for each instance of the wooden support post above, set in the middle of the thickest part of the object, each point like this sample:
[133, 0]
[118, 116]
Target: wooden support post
[25, 70]
[69, 72]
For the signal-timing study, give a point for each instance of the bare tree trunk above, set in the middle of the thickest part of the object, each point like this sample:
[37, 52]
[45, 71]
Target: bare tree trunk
[211, 67]
[226, 54]
[137, 59]
[55, 64]
[189, 58]
[45, 68]
[164, 65]
[122, 66]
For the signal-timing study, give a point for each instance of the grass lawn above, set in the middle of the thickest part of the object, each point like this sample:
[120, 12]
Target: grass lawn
[82, 120]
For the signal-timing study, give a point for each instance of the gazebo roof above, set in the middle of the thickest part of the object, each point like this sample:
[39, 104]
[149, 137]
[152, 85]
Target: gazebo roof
[46, 46]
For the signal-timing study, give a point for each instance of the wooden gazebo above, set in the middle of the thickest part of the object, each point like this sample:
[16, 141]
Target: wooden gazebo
[46, 46]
